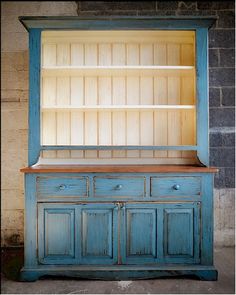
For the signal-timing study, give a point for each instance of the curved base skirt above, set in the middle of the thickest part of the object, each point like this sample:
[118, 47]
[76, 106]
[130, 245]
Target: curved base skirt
[206, 273]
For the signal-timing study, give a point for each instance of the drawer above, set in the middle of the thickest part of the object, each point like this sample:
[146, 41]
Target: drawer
[62, 186]
[119, 186]
[175, 186]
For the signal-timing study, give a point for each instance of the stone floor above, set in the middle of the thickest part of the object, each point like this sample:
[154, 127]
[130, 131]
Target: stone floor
[224, 262]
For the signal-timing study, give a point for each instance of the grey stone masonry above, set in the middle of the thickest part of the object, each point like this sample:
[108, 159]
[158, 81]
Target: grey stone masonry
[221, 67]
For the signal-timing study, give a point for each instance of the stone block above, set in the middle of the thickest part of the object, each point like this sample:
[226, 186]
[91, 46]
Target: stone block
[219, 178]
[13, 219]
[11, 24]
[12, 237]
[213, 58]
[215, 5]
[214, 97]
[12, 199]
[167, 5]
[187, 5]
[157, 12]
[197, 13]
[14, 140]
[222, 157]
[221, 77]
[15, 80]
[228, 139]
[116, 5]
[12, 162]
[221, 38]
[108, 13]
[14, 95]
[226, 19]
[14, 116]
[227, 58]
[222, 117]
[39, 8]
[230, 177]
[15, 61]
[12, 41]
[228, 96]
[216, 139]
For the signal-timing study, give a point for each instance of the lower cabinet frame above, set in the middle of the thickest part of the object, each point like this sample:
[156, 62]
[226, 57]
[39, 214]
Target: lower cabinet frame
[127, 256]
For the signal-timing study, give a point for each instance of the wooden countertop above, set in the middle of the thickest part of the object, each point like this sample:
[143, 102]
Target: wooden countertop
[118, 169]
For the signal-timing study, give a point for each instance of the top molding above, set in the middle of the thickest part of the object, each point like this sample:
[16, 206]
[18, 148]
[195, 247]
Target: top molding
[116, 22]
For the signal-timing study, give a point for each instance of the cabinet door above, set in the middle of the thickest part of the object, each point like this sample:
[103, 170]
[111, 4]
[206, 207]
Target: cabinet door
[98, 235]
[160, 233]
[77, 234]
[139, 234]
[56, 234]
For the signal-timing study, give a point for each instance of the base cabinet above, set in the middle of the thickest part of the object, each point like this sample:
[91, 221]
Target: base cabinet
[118, 234]
[80, 232]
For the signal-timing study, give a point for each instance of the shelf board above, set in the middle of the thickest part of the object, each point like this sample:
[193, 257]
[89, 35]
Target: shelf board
[117, 107]
[116, 70]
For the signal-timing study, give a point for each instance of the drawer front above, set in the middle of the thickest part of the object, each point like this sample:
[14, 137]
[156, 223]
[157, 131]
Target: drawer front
[175, 186]
[119, 186]
[62, 186]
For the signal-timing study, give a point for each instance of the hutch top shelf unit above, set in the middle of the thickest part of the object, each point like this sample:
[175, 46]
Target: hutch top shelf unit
[135, 87]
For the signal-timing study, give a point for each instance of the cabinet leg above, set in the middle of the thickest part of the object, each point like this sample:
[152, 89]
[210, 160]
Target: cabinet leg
[29, 275]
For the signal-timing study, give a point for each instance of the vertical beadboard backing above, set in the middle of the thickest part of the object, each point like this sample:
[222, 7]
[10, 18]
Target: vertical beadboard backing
[118, 127]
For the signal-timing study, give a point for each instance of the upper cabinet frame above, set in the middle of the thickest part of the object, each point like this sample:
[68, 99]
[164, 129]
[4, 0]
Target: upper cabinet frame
[35, 25]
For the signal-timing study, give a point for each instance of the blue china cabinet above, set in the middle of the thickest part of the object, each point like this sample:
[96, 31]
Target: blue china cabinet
[118, 184]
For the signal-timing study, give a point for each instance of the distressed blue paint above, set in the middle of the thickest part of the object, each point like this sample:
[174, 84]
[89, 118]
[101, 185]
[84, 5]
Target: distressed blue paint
[122, 272]
[175, 186]
[98, 234]
[202, 95]
[119, 147]
[119, 186]
[207, 220]
[62, 186]
[34, 95]
[140, 233]
[56, 230]
[117, 22]
[30, 244]
[178, 226]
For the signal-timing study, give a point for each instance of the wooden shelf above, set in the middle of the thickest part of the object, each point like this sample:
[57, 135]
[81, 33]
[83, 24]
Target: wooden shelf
[117, 107]
[118, 168]
[116, 70]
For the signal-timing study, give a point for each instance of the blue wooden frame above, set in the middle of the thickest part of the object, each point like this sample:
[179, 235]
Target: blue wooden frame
[199, 24]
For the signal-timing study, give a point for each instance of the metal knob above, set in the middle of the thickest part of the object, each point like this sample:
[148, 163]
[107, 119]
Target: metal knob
[118, 187]
[176, 187]
[62, 187]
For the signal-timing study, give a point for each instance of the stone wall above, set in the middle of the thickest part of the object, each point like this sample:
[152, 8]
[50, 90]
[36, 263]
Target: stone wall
[15, 98]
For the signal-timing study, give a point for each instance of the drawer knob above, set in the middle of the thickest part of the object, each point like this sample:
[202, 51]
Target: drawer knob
[118, 187]
[176, 187]
[62, 187]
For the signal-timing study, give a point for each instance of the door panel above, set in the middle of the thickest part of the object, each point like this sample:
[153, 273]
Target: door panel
[99, 233]
[178, 232]
[160, 233]
[57, 238]
[181, 233]
[141, 232]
